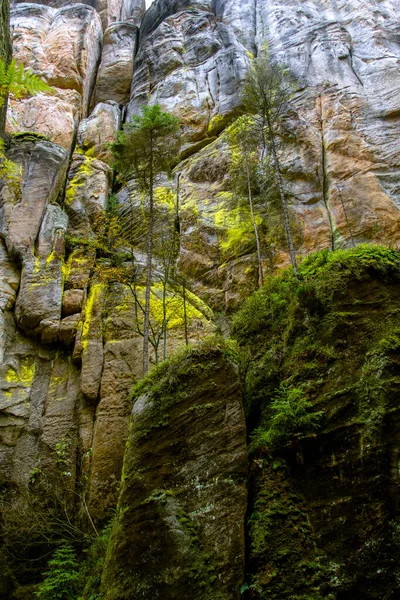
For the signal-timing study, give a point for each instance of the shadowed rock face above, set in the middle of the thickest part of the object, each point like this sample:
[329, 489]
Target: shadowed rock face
[183, 499]
[324, 506]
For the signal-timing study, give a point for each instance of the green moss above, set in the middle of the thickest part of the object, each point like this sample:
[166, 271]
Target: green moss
[334, 334]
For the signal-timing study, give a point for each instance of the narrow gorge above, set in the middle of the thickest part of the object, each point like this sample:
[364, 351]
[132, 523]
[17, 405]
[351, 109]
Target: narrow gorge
[261, 459]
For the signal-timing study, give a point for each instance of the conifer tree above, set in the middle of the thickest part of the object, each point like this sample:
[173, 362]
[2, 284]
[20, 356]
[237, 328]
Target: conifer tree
[267, 91]
[146, 147]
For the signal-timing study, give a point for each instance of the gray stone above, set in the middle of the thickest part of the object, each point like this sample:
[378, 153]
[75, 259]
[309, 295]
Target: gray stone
[38, 307]
[86, 197]
[116, 68]
[193, 66]
[99, 129]
[43, 171]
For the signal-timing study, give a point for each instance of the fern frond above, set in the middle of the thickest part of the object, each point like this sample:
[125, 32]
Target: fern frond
[20, 82]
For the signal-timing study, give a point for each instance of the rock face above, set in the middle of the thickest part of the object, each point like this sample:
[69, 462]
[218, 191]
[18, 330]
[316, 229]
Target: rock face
[70, 342]
[62, 46]
[324, 504]
[43, 170]
[108, 10]
[116, 68]
[184, 493]
[193, 66]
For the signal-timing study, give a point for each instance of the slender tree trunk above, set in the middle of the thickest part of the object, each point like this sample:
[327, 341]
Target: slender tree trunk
[165, 316]
[146, 324]
[283, 201]
[253, 219]
[5, 51]
[185, 315]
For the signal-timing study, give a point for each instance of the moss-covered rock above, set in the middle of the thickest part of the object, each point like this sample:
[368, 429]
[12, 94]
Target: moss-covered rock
[323, 510]
[179, 531]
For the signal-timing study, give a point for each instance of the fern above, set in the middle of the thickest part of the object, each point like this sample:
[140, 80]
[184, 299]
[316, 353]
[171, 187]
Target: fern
[20, 82]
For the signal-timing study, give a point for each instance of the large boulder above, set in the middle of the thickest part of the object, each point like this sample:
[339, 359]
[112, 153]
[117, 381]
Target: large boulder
[180, 528]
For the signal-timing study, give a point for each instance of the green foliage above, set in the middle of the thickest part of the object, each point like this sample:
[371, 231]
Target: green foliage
[268, 89]
[323, 278]
[91, 568]
[20, 82]
[289, 415]
[9, 171]
[62, 578]
[148, 145]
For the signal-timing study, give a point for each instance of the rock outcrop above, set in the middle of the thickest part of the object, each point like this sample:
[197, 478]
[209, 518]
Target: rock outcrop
[184, 494]
[70, 329]
[63, 46]
[324, 506]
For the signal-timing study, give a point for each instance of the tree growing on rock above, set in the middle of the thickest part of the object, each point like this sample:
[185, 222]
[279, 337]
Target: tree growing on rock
[244, 174]
[147, 147]
[267, 91]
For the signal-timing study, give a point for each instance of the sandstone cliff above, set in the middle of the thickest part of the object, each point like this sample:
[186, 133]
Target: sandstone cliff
[70, 350]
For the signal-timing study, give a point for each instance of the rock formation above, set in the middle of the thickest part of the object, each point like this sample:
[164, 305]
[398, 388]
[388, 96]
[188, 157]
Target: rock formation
[70, 340]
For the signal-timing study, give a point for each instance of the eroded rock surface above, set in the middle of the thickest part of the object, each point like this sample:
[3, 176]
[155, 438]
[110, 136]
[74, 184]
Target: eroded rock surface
[116, 68]
[62, 46]
[193, 66]
[184, 484]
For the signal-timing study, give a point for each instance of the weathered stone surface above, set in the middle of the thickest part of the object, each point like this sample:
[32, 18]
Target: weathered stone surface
[86, 196]
[99, 129]
[108, 10]
[116, 68]
[38, 307]
[193, 66]
[122, 368]
[68, 330]
[9, 279]
[72, 302]
[43, 170]
[184, 483]
[341, 51]
[91, 342]
[78, 268]
[62, 46]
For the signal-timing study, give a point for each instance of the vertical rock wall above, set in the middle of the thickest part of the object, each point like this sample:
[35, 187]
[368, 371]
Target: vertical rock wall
[69, 349]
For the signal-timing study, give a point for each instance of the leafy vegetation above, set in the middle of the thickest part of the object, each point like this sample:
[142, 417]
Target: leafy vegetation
[147, 147]
[19, 82]
[322, 358]
[267, 92]
[62, 578]
[289, 415]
